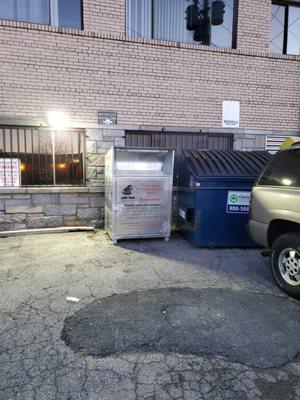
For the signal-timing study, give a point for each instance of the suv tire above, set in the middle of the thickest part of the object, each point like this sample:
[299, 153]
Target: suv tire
[285, 263]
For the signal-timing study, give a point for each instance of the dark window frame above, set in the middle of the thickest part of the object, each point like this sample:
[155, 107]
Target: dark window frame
[234, 22]
[55, 157]
[265, 180]
[286, 5]
[50, 18]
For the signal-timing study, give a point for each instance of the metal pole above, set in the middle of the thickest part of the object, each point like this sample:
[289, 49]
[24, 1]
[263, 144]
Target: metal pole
[206, 22]
[53, 159]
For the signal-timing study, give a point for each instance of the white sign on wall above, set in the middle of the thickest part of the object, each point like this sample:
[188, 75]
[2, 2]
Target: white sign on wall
[231, 114]
[9, 172]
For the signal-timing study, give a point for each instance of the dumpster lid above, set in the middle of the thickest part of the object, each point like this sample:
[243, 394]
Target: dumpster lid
[227, 163]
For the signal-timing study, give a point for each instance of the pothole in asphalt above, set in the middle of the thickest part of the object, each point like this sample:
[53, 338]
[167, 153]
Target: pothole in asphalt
[260, 330]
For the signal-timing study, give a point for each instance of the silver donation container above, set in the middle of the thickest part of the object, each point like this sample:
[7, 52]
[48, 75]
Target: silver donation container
[138, 193]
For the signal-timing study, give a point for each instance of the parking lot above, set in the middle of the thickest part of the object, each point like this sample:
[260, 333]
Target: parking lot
[149, 320]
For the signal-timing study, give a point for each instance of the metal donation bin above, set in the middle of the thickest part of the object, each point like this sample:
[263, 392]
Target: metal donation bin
[214, 195]
[138, 185]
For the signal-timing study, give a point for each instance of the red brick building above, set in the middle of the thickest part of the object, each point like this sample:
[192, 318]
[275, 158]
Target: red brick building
[165, 68]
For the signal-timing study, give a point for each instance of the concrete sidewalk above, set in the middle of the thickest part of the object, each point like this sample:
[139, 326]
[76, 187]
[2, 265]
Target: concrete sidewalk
[51, 348]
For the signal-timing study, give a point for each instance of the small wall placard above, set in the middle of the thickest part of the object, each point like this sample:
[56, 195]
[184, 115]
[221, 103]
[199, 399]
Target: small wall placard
[107, 117]
[231, 114]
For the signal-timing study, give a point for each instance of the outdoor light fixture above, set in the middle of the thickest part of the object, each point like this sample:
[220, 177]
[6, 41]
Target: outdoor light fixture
[62, 165]
[58, 120]
[22, 167]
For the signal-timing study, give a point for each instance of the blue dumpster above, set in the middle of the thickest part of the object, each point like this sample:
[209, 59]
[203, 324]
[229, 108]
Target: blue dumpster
[214, 190]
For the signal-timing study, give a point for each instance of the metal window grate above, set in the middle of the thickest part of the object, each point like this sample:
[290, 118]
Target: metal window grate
[44, 157]
[179, 140]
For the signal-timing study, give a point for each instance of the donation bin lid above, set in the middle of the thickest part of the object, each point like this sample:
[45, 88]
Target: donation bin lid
[143, 162]
[227, 163]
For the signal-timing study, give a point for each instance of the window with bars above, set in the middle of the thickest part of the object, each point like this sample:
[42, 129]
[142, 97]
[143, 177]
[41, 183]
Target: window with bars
[285, 28]
[209, 22]
[65, 13]
[41, 157]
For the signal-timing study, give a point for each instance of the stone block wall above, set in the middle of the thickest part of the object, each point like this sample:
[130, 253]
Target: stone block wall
[29, 208]
[250, 141]
[50, 207]
[98, 141]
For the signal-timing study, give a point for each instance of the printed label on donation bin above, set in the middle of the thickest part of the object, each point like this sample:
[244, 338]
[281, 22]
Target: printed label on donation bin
[238, 202]
[142, 206]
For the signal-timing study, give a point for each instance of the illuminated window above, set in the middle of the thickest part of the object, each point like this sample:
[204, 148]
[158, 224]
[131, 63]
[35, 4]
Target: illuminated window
[44, 157]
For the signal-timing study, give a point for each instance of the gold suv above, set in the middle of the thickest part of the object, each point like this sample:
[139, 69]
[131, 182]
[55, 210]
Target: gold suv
[275, 217]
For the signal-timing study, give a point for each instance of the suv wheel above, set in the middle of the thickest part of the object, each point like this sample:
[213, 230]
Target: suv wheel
[285, 263]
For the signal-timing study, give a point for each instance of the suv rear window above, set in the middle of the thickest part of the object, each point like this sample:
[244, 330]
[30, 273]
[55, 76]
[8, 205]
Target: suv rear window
[284, 170]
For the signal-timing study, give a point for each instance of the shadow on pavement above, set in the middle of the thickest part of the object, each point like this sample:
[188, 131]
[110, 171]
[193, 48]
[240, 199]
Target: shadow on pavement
[245, 263]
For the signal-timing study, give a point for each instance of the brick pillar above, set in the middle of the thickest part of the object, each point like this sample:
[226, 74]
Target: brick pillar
[253, 27]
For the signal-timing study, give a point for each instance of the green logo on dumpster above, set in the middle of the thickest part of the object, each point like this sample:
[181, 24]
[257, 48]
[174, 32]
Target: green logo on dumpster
[233, 198]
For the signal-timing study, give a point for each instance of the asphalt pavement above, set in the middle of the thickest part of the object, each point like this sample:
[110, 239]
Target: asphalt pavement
[81, 318]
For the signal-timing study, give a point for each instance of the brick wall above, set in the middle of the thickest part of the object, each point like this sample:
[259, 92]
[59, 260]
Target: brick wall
[253, 25]
[104, 16]
[253, 29]
[146, 82]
